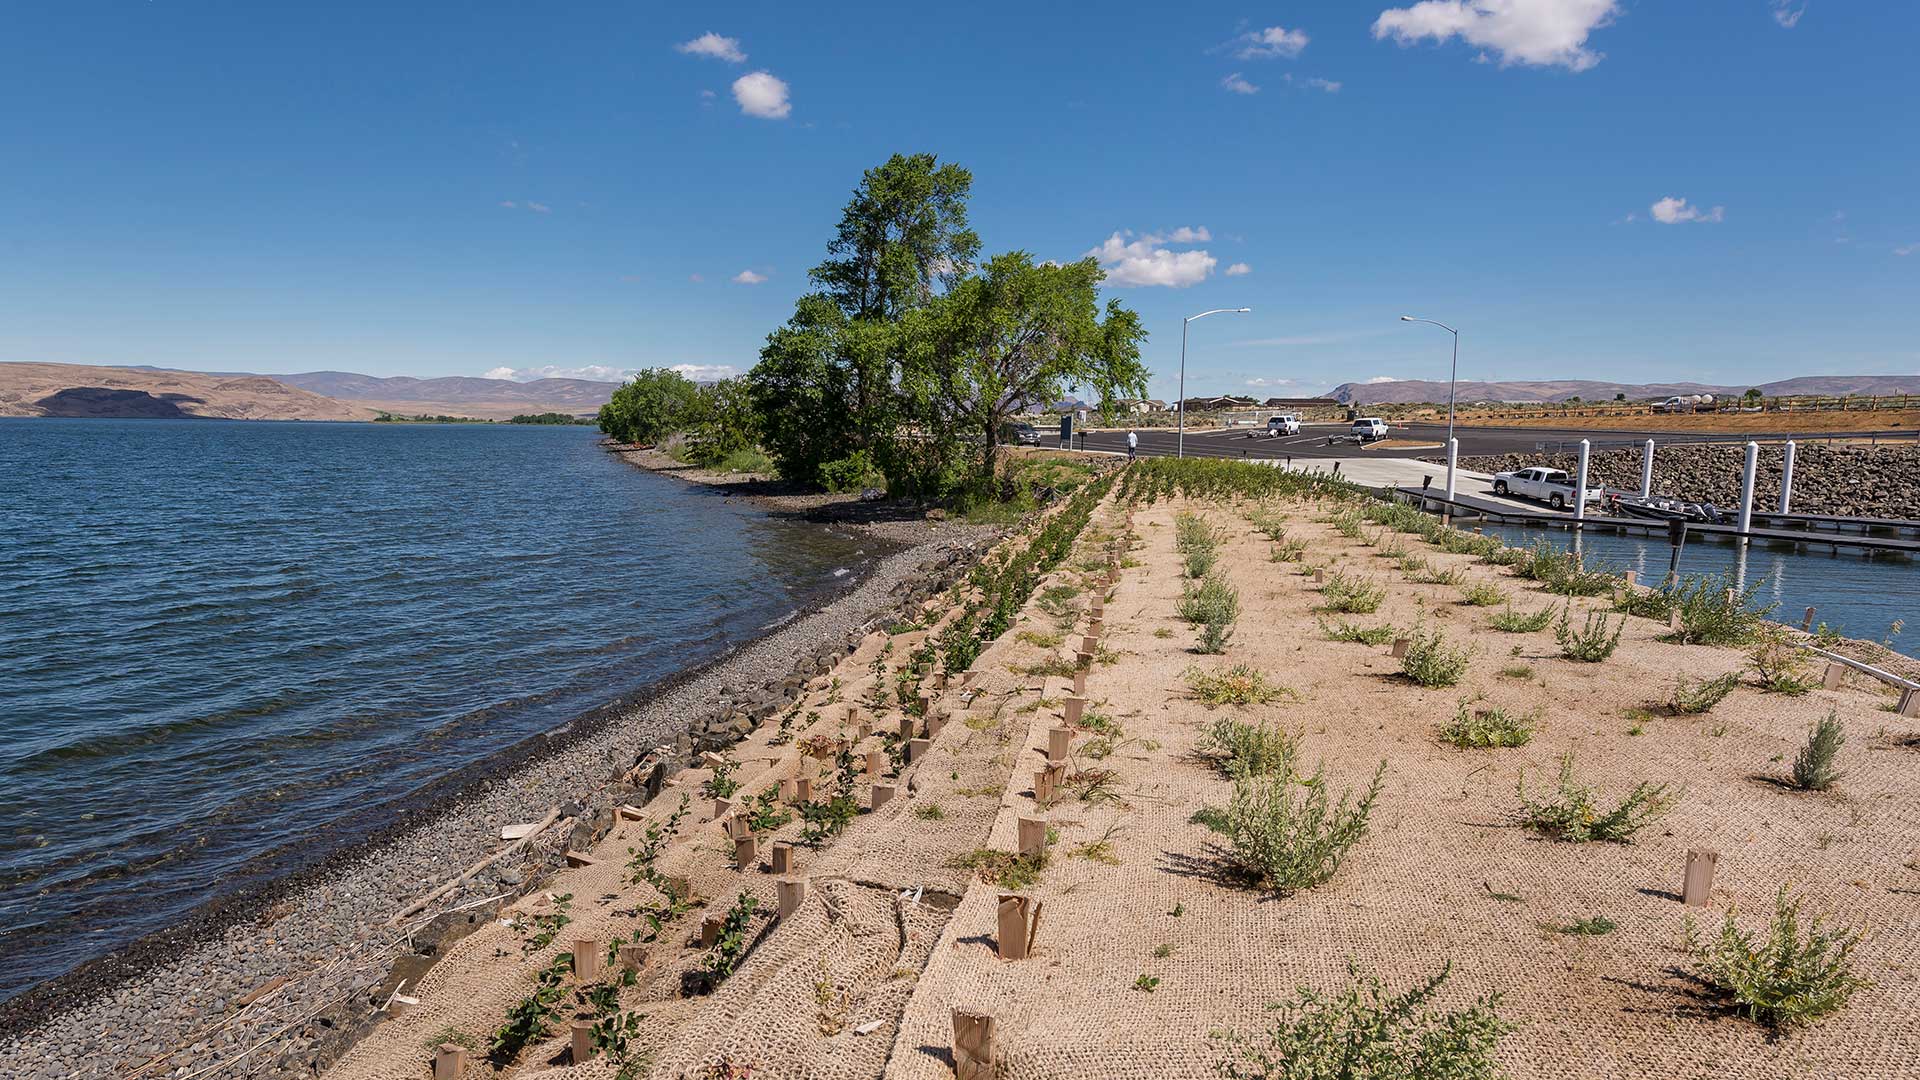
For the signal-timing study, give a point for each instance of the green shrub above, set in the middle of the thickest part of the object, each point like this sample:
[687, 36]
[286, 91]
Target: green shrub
[731, 946]
[1691, 698]
[1241, 748]
[1590, 644]
[1349, 525]
[1192, 533]
[1367, 1031]
[1573, 815]
[1481, 594]
[1431, 576]
[1240, 684]
[1779, 664]
[1358, 595]
[1200, 560]
[1270, 521]
[528, 1018]
[1786, 979]
[1430, 661]
[1291, 551]
[854, 472]
[1814, 767]
[1713, 612]
[1211, 600]
[1284, 834]
[1487, 728]
[1366, 635]
[1646, 603]
[1521, 622]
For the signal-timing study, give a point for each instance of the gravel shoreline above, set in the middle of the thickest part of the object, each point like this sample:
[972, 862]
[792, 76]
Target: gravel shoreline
[292, 974]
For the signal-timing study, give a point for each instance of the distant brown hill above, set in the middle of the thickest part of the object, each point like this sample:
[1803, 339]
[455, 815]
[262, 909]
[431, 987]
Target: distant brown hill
[458, 395]
[1403, 391]
[82, 390]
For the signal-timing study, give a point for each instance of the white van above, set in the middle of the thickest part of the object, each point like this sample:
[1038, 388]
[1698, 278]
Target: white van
[1369, 428]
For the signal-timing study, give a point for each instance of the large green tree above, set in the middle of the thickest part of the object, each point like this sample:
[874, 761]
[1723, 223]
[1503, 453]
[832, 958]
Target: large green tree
[902, 235]
[656, 401]
[1010, 340]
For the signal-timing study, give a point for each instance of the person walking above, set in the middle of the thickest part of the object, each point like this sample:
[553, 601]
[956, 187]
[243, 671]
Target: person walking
[1133, 444]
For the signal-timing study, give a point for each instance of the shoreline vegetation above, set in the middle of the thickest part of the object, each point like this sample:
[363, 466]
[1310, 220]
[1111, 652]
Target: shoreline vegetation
[1049, 787]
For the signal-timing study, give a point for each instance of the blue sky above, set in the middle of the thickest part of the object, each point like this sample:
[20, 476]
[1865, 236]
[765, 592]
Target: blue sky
[453, 189]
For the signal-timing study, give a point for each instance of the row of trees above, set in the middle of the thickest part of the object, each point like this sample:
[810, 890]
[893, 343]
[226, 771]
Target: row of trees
[908, 355]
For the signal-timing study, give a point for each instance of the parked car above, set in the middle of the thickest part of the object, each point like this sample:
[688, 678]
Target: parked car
[1019, 433]
[1283, 424]
[1551, 486]
[1369, 428]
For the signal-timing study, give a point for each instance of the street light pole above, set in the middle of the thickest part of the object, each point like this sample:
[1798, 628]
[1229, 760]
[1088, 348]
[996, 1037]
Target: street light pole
[1180, 446]
[1453, 379]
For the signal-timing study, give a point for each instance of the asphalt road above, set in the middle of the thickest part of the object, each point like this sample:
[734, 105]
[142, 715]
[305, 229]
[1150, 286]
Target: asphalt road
[1312, 441]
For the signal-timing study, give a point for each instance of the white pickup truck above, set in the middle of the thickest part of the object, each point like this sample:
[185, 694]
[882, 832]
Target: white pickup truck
[1551, 486]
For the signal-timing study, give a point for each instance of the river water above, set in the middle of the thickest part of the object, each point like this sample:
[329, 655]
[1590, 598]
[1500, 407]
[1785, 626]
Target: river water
[1861, 596]
[218, 638]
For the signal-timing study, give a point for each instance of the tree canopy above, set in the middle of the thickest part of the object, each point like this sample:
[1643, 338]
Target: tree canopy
[656, 401]
[910, 355]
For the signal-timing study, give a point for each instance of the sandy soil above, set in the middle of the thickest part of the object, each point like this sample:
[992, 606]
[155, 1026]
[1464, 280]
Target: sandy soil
[863, 978]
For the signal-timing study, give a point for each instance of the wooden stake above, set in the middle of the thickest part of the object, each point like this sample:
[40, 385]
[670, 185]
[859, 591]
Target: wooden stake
[1080, 680]
[1910, 702]
[853, 715]
[1319, 577]
[935, 722]
[1400, 645]
[578, 858]
[1075, 708]
[710, 928]
[787, 789]
[1630, 577]
[1673, 617]
[906, 728]
[876, 763]
[917, 749]
[803, 789]
[972, 1045]
[1017, 918]
[1095, 625]
[626, 812]
[1696, 889]
[1084, 659]
[711, 760]
[721, 808]
[1043, 788]
[1059, 744]
[792, 893]
[1089, 644]
[586, 959]
[1033, 837]
[782, 857]
[1834, 674]
[582, 1040]
[1807, 623]
[449, 1061]
[881, 793]
[746, 851]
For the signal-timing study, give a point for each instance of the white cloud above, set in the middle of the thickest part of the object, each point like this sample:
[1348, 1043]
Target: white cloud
[540, 208]
[1239, 268]
[1672, 211]
[1185, 234]
[1239, 85]
[1144, 262]
[508, 203]
[1261, 380]
[1328, 85]
[696, 278]
[1380, 379]
[706, 372]
[1271, 42]
[1537, 33]
[1906, 249]
[592, 372]
[748, 277]
[762, 95]
[713, 45]
[1786, 14]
